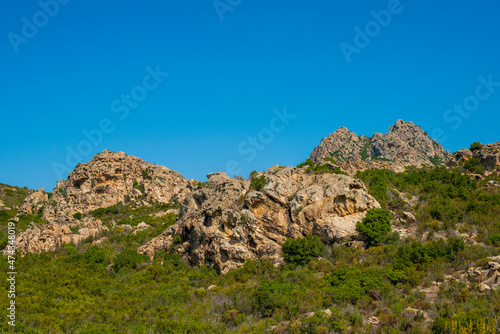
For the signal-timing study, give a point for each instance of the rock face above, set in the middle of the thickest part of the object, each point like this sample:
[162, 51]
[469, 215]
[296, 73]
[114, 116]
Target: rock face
[487, 276]
[227, 222]
[488, 155]
[404, 145]
[52, 235]
[110, 178]
[33, 203]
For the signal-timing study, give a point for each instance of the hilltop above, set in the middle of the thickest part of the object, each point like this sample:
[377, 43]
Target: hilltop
[405, 144]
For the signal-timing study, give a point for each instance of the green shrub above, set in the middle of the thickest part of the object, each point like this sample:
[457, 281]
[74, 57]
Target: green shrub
[308, 162]
[475, 146]
[271, 295]
[95, 255]
[128, 259]
[474, 165]
[78, 215]
[302, 250]
[351, 283]
[258, 183]
[113, 209]
[494, 238]
[375, 226]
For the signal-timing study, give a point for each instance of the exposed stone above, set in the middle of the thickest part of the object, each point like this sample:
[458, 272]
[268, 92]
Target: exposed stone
[488, 155]
[227, 223]
[404, 145]
[113, 177]
[49, 236]
[142, 226]
[33, 203]
[488, 276]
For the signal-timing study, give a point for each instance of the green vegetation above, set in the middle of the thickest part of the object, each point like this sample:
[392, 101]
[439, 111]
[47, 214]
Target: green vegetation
[78, 215]
[375, 226]
[110, 288]
[436, 161]
[308, 162]
[303, 250]
[474, 165]
[258, 183]
[475, 146]
[110, 210]
[320, 168]
[138, 186]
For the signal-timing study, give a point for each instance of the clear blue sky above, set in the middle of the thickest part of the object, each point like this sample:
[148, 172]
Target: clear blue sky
[227, 76]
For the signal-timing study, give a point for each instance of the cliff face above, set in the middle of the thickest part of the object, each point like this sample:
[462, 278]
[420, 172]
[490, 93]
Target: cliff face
[228, 222]
[405, 144]
[110, 178]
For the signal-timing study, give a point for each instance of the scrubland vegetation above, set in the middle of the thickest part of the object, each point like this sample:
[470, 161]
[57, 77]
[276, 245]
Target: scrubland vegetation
[110, 288]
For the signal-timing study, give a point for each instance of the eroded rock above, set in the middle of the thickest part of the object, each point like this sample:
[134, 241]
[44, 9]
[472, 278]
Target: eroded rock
[227, 222]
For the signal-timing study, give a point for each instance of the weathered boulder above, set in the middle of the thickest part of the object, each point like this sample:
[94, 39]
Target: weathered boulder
[50, 236]
[113, 177]
[33, 203]
[227, 222]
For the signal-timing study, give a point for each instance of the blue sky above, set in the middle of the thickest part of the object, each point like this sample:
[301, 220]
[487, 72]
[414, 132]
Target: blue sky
[68, 67]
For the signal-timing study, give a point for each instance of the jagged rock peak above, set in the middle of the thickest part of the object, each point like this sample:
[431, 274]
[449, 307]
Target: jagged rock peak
[113, 177]
[404, 144]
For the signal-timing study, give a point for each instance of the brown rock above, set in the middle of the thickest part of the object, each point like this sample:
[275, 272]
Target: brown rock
[113, 177]
[404, 145]
[227, 223]
[33, 203]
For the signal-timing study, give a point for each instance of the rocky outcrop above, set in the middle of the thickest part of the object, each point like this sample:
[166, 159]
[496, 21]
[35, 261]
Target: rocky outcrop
[488, 155]
[48, 237]
[487, 276]
[405, 144]
[113, 177]
[227, 222]
[33, 203]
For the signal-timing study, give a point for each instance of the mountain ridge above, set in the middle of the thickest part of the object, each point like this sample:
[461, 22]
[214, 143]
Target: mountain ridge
[405, 144]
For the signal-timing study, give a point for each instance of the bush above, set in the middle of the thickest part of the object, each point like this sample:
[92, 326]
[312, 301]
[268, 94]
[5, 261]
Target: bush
[375, 226]
[128, 259]
[494, 238]
[104, 211]
[258, 183]
[474, 165]
[308, 162]
[271, 295]
[95, 255]
[475, 146]
[303, 250]
[78, 215]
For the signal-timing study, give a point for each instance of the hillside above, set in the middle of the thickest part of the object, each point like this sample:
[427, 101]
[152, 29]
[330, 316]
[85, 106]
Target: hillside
[126, 246]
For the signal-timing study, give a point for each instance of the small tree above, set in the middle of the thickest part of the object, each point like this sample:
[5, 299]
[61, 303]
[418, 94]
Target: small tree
[375, 226]
[303, 250]
[128, 259]
[475, 146]
[258, 183]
